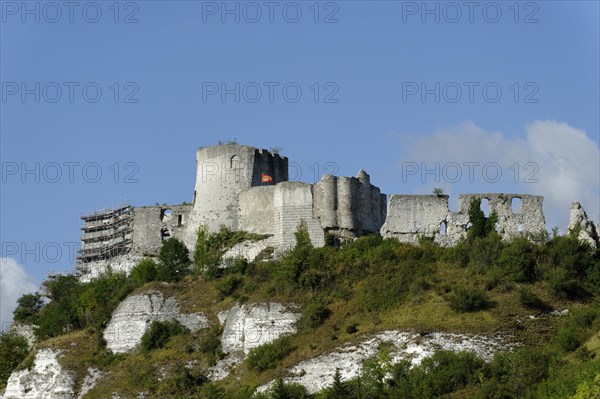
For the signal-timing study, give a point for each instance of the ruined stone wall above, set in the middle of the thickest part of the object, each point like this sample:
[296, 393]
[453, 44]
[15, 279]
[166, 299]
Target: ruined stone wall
[349, 205]
[147, 230]
[257, 211]
[529, 219]
[293, 205]
[154, 224]
[411, 216]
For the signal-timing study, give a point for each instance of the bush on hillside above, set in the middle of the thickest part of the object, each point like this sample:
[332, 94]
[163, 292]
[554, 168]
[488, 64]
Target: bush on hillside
[269, 355]
[13, 350]
[159, 334]
[468, 299]
[144, 272]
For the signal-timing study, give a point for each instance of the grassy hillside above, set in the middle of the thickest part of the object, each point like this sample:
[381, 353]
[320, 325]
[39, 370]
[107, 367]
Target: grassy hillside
[482, 285]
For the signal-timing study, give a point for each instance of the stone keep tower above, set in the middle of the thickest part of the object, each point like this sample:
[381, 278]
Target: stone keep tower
[222, 172]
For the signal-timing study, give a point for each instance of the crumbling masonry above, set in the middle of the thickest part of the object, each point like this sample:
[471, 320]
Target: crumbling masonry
[245, 188]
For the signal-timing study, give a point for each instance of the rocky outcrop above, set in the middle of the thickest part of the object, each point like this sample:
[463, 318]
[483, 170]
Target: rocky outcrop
[135, 314]
[27, 331]
[249, 326]
[248, 249]
[587, 231]
[318, 373]
[89, 382]
[118, 264]
[46, 380]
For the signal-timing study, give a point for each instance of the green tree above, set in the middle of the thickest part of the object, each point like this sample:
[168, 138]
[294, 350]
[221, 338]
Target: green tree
[518, 260]
[60, 314]
[477, 220]
[281, 390]
[296, 261]
[13, 350]
[481, 226]
[28, 308]
[98, 298]
[144, 272]
[174, 260]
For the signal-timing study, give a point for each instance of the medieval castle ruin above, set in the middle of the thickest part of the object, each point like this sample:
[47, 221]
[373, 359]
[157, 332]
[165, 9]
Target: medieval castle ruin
[245, 188]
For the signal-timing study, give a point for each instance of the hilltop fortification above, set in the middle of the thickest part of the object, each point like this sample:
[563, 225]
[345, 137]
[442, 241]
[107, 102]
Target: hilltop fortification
[246, 188]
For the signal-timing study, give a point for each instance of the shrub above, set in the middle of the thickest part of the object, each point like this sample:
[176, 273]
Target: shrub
[484, 252]
[445, 372]
[528, 299]
[562, 284]
[513, 374]
[281, 390]
[468, 299]
[207, 255]
[228, 285]
[210, 248]
[144, 272]
[13, 350]
[351, 328]
[313, 315]
[268, 356]
[211, 391]
[518, 260]
[293, 263]
[98, 298]
[566, 252]
[210, 344]
[577, 328]
[159, 334]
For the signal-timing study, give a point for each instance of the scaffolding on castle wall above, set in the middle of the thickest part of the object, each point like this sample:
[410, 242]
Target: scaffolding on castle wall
[106, 233]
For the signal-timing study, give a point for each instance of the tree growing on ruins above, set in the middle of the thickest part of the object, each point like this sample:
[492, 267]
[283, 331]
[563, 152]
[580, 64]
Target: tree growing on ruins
[481, 226]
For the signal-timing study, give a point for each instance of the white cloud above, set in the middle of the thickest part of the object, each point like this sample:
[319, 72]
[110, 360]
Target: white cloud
[14, 282]
[566, 158]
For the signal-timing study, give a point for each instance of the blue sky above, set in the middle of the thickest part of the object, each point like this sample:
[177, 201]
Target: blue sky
[383, 85]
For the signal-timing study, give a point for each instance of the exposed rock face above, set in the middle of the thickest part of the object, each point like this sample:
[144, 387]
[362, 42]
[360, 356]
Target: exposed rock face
[249, 249]
[46, 380]
[25, 330]
[135, 314]
[93, 270]
[317, 374]
[589, 232]
[89, 382]
[249, 326]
